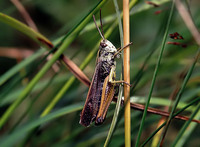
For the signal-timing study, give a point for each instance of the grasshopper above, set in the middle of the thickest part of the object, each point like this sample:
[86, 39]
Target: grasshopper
[102, 87]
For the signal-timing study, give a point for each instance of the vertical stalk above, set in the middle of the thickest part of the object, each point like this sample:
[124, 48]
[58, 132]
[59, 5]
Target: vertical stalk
[127, 113]
[155, 74]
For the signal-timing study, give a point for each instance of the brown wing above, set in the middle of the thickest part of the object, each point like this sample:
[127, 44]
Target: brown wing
[92, 103]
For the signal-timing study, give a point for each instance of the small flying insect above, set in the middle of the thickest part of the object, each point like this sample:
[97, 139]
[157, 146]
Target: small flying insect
[102, 87]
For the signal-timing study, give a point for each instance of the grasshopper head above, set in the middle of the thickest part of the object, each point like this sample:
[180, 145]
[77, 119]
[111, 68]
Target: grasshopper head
[107, 46]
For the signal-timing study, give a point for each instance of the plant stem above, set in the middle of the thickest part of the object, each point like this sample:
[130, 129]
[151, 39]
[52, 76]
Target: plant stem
[127, 113]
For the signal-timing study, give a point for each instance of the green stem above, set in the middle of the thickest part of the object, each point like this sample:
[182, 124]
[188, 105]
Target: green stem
[154, 76]
[116, 113]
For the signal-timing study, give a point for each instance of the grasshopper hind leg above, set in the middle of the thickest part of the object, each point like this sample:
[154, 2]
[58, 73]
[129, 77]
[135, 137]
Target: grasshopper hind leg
[99, 121]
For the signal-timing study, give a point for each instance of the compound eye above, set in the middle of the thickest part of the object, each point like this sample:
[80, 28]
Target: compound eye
[103, 45]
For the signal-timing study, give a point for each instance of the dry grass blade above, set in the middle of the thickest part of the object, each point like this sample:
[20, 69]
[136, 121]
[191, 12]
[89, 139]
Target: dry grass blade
[78, 73]
[16, 53]
[141, 107]
[160, 112]
[188, 20]
[24, 14]
[75, 70]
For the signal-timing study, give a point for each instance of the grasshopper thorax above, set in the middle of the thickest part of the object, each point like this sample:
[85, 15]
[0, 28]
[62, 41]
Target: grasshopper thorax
[106, 53]
[107, 46]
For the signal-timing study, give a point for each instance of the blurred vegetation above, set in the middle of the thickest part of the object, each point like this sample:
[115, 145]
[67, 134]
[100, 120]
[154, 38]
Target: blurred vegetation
[60, 127]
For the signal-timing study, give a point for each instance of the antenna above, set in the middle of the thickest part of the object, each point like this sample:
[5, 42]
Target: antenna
[98, 28]
[101, 24]
[119, 50]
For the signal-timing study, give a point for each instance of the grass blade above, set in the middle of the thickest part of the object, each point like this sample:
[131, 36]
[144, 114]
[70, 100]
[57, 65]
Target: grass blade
[19, 66]
[19, 133]
[189, 131]
[185, 127]
[155, 74]
[161, 126]
[178, 97]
